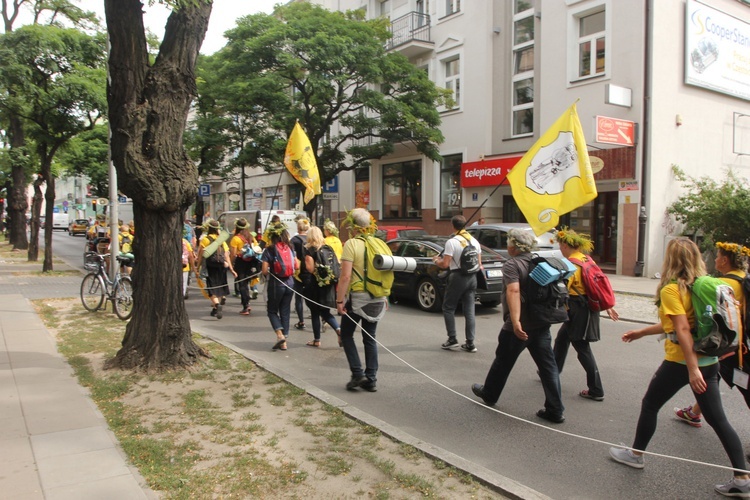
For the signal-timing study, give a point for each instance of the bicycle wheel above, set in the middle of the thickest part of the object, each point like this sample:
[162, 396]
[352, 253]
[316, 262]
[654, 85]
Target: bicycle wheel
[92, 292]
[123, 303]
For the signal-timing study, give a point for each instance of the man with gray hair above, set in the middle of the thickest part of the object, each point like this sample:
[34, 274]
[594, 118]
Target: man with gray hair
[522, 331]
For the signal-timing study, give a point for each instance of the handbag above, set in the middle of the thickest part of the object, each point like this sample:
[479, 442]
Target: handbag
[482, 280]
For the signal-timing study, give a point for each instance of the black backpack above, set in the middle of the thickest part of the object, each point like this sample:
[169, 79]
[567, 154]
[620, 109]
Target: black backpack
[216, 259]
[327, 266]
[547, 303]
[468, 262]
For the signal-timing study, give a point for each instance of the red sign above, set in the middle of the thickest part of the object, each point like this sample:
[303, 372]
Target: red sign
[615, 131]
[487, 172]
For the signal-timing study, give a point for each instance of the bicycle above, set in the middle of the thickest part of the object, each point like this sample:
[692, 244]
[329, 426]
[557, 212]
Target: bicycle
[96, 285]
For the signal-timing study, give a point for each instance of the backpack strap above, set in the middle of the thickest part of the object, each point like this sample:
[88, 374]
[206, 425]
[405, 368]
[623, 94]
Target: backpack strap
[733, 277]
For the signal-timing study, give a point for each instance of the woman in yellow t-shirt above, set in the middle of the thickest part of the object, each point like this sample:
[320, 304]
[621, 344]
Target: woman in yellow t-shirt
[731, 262]
[682, 366]
[331, 233]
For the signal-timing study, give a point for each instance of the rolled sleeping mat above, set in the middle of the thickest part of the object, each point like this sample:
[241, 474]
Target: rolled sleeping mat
[210, 249]
[394, 263]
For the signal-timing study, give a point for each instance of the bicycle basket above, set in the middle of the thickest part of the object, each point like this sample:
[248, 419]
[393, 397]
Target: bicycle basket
[90, 262]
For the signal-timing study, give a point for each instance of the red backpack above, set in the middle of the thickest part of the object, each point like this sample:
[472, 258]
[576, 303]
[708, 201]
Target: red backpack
[598, 289]
[283, 260]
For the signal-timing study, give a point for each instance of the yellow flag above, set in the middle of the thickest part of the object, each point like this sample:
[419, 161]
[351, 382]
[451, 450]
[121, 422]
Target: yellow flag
[300, 161]
[554, 176]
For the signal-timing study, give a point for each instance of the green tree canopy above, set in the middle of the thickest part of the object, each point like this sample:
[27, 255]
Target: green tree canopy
[330, 71]
[721, 210]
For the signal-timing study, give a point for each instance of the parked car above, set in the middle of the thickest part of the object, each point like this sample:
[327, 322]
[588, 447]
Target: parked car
[495, 236]
[78, 226]
[387, 233]
[426, 287]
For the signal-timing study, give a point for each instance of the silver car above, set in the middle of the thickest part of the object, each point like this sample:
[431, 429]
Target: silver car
[495, 236]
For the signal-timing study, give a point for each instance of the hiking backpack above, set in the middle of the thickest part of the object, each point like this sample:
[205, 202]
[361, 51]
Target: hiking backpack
[717, 317]
[283, 263]
[247, 253]
[745, 283]
[216, 259]
[599, 293]
[377, 282]
[469, 259]
[327, 267]
[545, 292]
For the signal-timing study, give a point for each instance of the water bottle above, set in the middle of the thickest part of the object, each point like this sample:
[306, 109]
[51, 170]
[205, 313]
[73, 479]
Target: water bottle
[709, 314]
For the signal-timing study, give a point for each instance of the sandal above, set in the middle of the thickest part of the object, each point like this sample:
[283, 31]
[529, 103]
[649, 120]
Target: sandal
[280, 345]
[338, 333]
[314, 343]
[300, 325]
[585, 394]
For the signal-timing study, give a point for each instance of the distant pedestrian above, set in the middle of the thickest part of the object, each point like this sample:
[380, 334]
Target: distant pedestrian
[244, 263]
[280, 263]
[478, 222]
[683, 366]
[522, 331]
[331, 233]
[321, 297]
[461, 288]
[215, 269]
[188, 264]
[356, 305]
[582, 326]
[298, 244]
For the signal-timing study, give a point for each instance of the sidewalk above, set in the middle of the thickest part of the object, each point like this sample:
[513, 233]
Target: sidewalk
[57, 445]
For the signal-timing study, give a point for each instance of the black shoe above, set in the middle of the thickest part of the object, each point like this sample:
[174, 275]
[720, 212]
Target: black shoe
[478, 390]
[299, 326]
[356, 382]
[468, 347]
[219, 312]
[213, 311]
[223, 301]
[368, 386]
[555, 419]
[450, 344]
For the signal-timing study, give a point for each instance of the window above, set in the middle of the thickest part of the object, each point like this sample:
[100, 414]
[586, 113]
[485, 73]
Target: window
[522, 100]
[591, 44]
[402, 190]
[452, 70]
[511, 212]
[452, 6]
[450, 185]
[385, 8]
[362, 188]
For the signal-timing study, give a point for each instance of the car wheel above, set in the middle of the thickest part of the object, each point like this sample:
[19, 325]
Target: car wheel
[428, 297]
[490, 303]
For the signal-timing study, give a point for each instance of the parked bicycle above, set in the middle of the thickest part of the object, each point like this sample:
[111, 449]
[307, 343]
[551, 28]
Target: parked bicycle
[96, 285]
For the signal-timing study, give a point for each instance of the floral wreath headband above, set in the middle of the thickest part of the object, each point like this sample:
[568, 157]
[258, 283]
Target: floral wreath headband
[331, 227]
[276, 229]
[349, 222]
[580, 242]
[734, 248]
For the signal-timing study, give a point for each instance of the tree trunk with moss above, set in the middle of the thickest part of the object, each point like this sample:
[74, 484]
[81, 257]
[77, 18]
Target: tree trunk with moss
[148, 107]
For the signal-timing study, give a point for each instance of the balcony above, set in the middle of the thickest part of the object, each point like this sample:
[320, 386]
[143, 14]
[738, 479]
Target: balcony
[411, 35]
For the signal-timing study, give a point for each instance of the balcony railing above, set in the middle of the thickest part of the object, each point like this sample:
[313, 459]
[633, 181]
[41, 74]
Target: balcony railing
[413, 27]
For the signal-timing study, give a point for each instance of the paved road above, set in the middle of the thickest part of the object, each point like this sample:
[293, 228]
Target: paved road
[424, 391]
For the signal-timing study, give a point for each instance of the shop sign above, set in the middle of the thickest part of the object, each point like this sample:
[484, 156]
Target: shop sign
[487, 172]
[615, 131]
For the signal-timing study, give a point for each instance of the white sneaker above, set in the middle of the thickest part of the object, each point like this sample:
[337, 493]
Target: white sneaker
[626, 457]
[739, 488]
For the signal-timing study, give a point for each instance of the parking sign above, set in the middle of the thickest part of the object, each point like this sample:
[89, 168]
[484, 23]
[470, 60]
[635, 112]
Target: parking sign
[204, 190]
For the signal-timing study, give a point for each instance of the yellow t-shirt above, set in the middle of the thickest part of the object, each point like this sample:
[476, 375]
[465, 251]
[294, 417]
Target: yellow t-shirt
[354, 252]
[126, 242]
[236, 244]
[205, 241]
[335, 243]
[675, 303]
[189, 247]
[575, 282]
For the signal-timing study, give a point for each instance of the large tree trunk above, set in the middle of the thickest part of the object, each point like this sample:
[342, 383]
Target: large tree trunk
[36, 209]
[18, 203]
[148, 109]
[49, 210]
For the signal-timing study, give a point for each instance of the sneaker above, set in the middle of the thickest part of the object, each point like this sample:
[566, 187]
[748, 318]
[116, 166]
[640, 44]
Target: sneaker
[687, 416]
[478, 390]
[213, 311]
[356, 382]
[450, 344]
[626, 457]
[468, 347]
[223, 301]
[369, 386]
[550, 417]
[739, 488]
[254, 295]
[219, 312]
[245, 311]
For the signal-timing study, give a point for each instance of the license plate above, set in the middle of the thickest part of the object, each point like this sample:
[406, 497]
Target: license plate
[494, 273]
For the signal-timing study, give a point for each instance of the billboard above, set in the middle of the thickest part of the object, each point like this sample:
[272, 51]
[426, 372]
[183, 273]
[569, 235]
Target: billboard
[717, 51]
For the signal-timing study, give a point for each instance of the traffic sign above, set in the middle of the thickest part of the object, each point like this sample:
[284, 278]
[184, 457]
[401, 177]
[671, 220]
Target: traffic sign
[330, 196]
[615, 131]
[332, 186]
[55, 210]
[204, 190]
[122, 199]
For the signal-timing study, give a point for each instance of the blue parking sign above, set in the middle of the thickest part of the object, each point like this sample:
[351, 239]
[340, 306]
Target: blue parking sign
[331, 186]
[204, 190]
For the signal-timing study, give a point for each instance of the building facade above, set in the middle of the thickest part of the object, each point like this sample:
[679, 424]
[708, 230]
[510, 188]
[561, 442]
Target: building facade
[657, 84]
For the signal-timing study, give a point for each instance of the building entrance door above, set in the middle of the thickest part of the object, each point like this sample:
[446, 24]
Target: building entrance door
[605, 227]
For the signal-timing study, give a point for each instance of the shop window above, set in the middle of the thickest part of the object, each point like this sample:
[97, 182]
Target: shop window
[450, 186]
[402, 190]
[362, 188]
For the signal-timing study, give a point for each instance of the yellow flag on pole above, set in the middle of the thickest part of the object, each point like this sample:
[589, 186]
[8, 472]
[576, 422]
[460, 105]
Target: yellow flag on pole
[554, 176]
[300, 161]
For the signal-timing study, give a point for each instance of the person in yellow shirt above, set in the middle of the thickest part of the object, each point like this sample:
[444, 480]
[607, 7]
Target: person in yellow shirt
[246, 265]
[582, 326]
[125, 240]
[98, 233]
[331, 233]
[731, 261]
[188, 264]
[682, 366]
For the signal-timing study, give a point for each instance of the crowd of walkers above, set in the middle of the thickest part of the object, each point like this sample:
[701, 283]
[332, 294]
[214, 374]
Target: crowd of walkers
[289, 265]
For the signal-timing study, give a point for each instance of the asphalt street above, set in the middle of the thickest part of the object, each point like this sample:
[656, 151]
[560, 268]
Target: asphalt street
[424, 391]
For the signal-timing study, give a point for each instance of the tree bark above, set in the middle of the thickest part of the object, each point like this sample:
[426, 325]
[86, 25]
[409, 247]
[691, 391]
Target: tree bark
[148, 107]
[49, 207]
[36, 209]
[18, 203]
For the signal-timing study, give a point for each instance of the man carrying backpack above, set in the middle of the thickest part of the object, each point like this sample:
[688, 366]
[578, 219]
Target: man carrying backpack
[462, 282]
[520, 331]
[582, 326]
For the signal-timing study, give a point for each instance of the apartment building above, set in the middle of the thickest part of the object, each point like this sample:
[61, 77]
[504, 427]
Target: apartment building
[657, 83]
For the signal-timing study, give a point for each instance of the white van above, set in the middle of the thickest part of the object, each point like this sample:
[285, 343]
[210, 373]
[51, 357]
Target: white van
[60, 221]
[259, 219]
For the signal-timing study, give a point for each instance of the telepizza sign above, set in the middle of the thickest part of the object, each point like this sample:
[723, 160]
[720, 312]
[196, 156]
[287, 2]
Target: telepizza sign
[487, 172]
